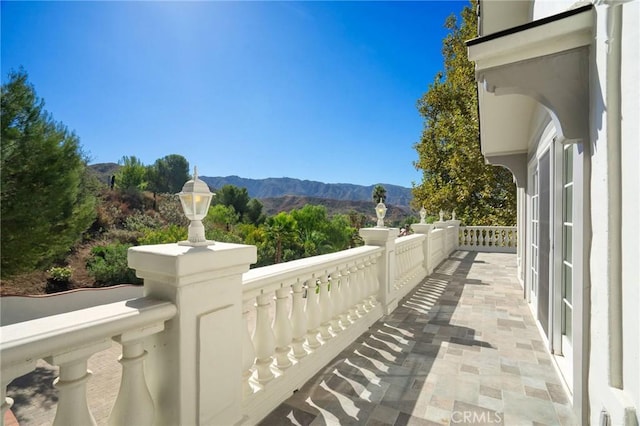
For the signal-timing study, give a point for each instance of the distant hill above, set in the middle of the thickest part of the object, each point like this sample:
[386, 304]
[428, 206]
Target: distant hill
[287, 203]
[279, 187]
[104, 171]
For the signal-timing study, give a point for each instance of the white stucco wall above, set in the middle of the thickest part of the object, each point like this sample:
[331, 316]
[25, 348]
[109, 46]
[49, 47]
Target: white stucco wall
[599, 208]
[544, 8]
[602, 395]
[630, 198]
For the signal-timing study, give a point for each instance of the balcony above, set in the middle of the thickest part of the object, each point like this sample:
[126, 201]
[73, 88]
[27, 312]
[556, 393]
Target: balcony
[399, 329]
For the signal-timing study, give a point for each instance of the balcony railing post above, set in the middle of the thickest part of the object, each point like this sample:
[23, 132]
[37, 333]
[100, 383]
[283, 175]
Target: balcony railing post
[456, 225]
[195, 367]
[425, 229]
[385, 238]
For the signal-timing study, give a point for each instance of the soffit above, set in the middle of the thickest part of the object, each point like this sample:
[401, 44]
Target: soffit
[545, 62]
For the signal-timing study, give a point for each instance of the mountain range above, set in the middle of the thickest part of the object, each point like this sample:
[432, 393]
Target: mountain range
[272, 188]
[279, 187]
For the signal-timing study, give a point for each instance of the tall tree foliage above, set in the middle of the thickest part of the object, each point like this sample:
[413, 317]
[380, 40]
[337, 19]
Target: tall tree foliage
[455, 175]
[168, 174]
[132, 175]
[44, 206]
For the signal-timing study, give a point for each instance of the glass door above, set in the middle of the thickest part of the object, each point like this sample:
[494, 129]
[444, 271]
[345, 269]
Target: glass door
[566, 277]
[544, 243]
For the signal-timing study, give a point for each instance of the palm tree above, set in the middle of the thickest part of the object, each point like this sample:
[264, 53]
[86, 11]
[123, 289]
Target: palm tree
[280, 230]
[379, 194]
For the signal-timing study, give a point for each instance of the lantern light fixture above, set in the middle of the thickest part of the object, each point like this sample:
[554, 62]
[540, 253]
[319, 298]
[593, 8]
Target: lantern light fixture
[381, 211]
[195, 198]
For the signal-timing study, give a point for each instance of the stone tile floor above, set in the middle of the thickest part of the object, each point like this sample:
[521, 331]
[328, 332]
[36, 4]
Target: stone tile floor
[462, 348]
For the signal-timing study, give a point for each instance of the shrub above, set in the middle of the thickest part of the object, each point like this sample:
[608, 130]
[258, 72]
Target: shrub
[169, 234]
[108, 265]
[123, 236]
[170, 210]
[59, 279]
[60, 274]
[140, 222]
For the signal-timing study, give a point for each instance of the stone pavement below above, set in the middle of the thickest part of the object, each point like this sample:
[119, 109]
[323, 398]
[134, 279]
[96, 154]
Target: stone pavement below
[462, 348]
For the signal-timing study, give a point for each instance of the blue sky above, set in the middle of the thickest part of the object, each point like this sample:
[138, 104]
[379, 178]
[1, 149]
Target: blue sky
[311, 90]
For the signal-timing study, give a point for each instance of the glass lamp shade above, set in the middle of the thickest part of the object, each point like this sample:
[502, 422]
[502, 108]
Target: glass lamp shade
[195, 198]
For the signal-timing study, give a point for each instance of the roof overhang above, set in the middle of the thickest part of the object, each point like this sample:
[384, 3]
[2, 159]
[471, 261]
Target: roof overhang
[541, 62]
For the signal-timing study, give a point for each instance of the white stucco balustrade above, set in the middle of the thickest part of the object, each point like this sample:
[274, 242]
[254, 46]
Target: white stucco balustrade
[69, 339]
[212, 342]
[501, 239]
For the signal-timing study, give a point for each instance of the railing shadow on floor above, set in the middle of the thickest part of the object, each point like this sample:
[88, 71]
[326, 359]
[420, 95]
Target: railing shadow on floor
[389, 365]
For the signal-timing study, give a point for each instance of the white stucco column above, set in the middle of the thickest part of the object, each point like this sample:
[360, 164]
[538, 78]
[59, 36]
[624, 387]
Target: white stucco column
[385, 238]
[194, 368]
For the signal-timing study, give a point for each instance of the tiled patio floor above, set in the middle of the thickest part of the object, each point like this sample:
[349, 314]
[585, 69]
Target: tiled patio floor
[462, 348]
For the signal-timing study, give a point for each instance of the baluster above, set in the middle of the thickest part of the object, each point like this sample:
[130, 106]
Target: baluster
[363, 285]
[376, 280]
[7, 376]
[406, 267]
[360, 289]
[73, 408]
[248, 357]
[325, 308]
[354, 285]
[413, 256]
[348, 316]
[501, 241]
[473, 237]
[282, 329]
[134, 404]
[398, 278]
[403, 267]
[298, 321]
[264, 341]
[313, 314]
[7, 402]
[337, 298]
[371, 273]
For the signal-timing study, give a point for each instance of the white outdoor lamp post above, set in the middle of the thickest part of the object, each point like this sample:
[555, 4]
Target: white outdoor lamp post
[195, 198]
[423, 215]
[441, 216]
[381, 211]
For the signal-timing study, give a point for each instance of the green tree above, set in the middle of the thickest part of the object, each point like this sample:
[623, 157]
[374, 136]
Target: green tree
[280, 233]
[132, 175]
[379, 194]
[254, 213]
[312, 224]
[340, 235]
[234, 196]
[221, 217]
[45, 207]
[168, 174]
[455, 175]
